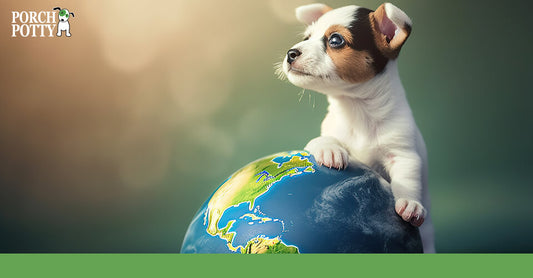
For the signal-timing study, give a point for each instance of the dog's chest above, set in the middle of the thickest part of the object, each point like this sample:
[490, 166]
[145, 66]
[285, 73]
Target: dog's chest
[366, 149]
[363, 147]
[362, 143]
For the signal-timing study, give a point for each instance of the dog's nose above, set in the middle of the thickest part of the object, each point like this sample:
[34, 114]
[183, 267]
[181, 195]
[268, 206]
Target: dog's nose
[292, 54]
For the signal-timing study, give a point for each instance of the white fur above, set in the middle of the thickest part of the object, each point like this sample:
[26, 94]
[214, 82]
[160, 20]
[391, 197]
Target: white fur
[370, 122]
[309, 13]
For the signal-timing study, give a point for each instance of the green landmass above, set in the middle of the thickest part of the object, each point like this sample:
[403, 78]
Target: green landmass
[262, 245]
[268, 173]
[248, 184]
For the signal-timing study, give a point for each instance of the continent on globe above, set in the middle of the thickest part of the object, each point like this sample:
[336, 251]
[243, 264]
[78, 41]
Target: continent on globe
[262, 245]
[287, 203]
[249, 183]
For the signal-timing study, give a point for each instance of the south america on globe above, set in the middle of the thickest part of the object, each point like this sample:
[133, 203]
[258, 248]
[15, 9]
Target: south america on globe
[287, 203]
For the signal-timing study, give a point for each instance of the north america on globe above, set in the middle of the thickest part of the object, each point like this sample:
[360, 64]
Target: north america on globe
[245, 186]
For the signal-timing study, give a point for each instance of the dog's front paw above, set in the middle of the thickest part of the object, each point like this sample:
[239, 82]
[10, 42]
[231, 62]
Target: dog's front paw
[411, 211]
[328, 152]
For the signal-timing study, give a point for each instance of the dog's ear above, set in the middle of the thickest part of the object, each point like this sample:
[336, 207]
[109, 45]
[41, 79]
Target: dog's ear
[308, 14]
[391, 28]
[72, 14]
[57, 8]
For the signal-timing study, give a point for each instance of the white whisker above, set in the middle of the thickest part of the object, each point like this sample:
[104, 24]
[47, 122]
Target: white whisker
[278, 70]
[301, 94]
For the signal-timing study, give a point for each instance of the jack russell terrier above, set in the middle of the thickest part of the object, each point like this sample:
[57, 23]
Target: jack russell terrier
[349, 54]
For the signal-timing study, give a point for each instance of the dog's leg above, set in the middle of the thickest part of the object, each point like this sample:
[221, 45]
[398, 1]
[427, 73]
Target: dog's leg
[68, 31]
[58, 32]
[406, 184]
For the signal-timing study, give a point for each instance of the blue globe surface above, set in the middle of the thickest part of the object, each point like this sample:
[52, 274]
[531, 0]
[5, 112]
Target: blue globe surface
[287, 203]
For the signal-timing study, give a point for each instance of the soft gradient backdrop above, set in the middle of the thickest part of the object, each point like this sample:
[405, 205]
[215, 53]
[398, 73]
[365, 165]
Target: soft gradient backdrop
[110, 140]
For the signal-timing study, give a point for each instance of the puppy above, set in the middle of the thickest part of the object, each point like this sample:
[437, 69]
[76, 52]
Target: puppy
[349, 54]
[63, 24]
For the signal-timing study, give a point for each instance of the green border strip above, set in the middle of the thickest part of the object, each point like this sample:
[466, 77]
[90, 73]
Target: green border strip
[228, 265]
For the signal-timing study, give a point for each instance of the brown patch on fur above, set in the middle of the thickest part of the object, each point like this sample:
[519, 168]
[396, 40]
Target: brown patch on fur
[352, 65]
[391, 49]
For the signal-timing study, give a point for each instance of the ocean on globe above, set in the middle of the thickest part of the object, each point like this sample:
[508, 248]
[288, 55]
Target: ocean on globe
[287, 203]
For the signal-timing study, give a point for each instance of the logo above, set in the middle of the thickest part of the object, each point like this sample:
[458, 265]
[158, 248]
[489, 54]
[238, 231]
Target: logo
[63, 24]
[40, 24]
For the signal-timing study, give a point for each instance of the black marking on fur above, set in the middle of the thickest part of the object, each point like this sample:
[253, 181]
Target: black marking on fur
[363, 38]
[408, 28]
[325, 41]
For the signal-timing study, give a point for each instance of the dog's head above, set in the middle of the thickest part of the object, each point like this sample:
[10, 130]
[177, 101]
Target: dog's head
[344, 46]
[63, 14]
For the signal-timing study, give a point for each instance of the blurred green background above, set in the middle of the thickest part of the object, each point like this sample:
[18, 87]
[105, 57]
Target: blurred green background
[111, 140]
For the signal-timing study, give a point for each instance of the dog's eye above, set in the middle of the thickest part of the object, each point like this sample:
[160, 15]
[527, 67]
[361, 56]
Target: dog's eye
[336, 40]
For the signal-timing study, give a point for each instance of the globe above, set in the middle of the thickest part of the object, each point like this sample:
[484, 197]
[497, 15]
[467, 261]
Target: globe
[287, 203]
